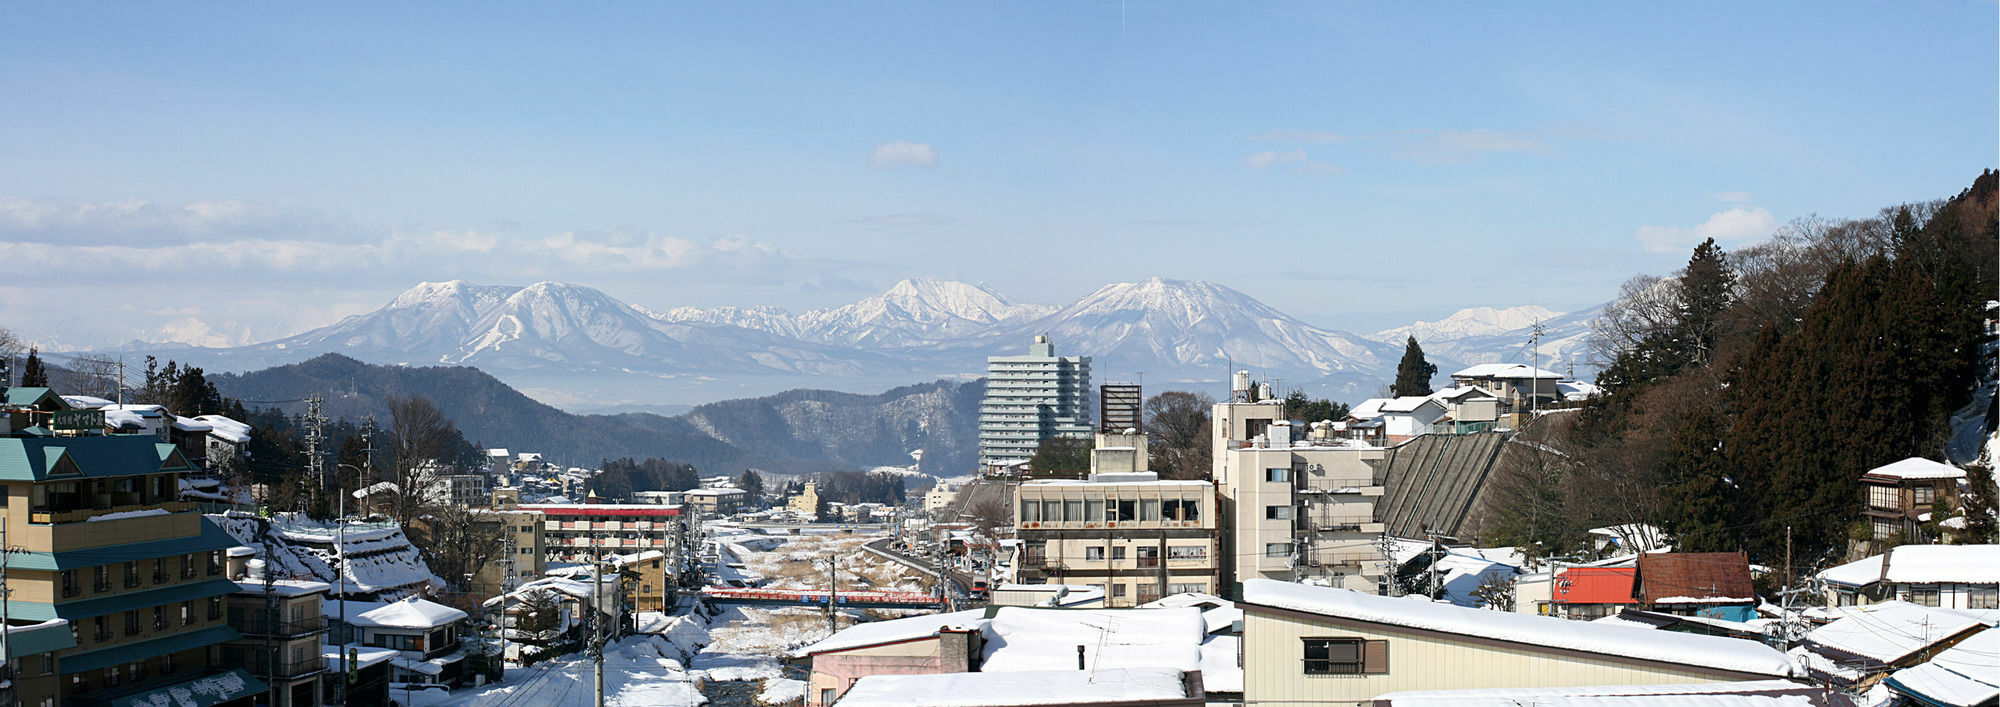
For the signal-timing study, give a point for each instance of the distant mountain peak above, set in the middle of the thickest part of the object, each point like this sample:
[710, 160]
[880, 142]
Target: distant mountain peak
[1471, 321]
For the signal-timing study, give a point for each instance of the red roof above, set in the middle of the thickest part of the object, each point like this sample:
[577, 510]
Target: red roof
[632, 510]
[1595, 585]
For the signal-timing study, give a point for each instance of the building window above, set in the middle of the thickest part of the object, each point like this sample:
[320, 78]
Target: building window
[1118, 590]
[1187, 588]
[1924, 597]
[214, 563]
[1052, 511]
[1883, 497]
[187, 567]
[1278, 474]
[1346, 656]
[1124, 510]
[160, 618]
[214, 608]
[103, 632]
[187, 613]
[132, 623]
[48, 663]
[827, 695]
[138, 671]
[1924, 495]
[1149, 509]
[1277, 513]
[111, 676]
[1031, 511]
[1983, 598]
[1181, 510]
[1118, 552]
[166, 663]
[69, 586]
[1189, 552]
[131, 575]
[1278, 550]
[102, 575]
[159, 570]
[1093, 553]
[1073, 510]
[78, 685]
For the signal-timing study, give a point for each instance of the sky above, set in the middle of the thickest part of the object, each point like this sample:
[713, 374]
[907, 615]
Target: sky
[220, 173]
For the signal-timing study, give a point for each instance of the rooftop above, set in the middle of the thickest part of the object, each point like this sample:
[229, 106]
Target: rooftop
[1891, 630]
[1711, 652]
[1043, 687]
[1915, 468]
[1921, 564]
[1506, 371]
[1694, 578]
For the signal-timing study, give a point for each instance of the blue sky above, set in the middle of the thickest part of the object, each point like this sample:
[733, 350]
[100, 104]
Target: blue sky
[226, 172]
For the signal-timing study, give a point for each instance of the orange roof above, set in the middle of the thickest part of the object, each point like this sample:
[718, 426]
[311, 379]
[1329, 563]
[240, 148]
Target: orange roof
[1695, 577]
[1595, 585]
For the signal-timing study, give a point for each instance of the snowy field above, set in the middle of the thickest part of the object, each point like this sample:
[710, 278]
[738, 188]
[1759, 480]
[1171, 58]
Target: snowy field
[675, 656]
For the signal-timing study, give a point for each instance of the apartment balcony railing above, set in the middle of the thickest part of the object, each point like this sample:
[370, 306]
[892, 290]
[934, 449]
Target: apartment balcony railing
[1148, 563]
[262, 665]
[79, 515]
[281, 628]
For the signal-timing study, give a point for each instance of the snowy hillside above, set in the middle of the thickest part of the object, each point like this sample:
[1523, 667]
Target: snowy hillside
[914, 311]
[1488, 335]
[1471, 321]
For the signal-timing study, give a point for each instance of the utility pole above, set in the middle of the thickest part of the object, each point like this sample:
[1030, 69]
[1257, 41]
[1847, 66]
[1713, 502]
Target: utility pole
[597, 635]
[832, 596]
[1788, 557]
[315, 424]
[1534, 371]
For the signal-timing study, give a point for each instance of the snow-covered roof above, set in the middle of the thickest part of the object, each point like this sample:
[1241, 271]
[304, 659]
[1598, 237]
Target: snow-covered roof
[1637, 537]
[116, 419]
[1757, 693]
[375, 488]
[1367, 408]
[361, 656]
[875, 633]
[1042, 687]
[1964, 674]
[1578, 390]
[715, 492]
[1468, 391]
[413, 612]
[1921, 564]
[283, 587]
[189, 424]
[1505, 371]
[226, 428]
[1666, 647]
[1917, 468]
[1408, 403]
[86, 402]
[1888, 631]
[1025, 639]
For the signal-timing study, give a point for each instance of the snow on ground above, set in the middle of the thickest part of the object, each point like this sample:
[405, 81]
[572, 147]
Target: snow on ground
[782, 691]
[646, 669]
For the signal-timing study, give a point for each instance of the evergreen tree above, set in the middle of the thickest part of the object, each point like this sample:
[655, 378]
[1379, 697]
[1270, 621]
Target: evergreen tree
[1697, 500]
[1704, 294]
[33, 375]
[1413, 374]
[752, 485]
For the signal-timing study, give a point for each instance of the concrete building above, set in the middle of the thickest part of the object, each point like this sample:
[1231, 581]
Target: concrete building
[940, 497]
[100, 539]
[720, 501]
[1321, 645]
[1130, 534]
[524, 548]
[579, 532]
[1031, 398]
[1295, 510]
[807, 500]
[655, 588]
[282, 627]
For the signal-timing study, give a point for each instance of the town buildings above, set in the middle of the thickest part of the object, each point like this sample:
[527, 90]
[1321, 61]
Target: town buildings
[1946, 576]
[1901, 496]
[1294, 509]
[282, 628]
[715, 501]
[1031, 398]
[427, 636]
[582, 532]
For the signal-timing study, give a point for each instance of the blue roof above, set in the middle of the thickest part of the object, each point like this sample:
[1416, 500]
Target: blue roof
[42, 638]
[41, 458]
[30, 397]
[139, 650]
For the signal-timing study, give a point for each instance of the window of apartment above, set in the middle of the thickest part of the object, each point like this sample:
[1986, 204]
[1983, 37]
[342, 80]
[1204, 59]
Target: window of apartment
[160, 618]
[1924, 495]
[78, 685]
[187, 613]
[1093, 553]
[131, 575]
[132, 623]
[102, 575]
[1149, 509]
[1345, 656]
[1125, 510]
[48, 663]
[1187, 588]
[1181, 510]
[1983, 598]
[166, 663]
[1118, 552]
[214, 563]
[103, 632]
[69, 586]
[1073, 510]
[138, 671]
[187, 567]
[1093, 510]
[1883, 497]
[1277, 513]
[1278, 474]
[1924, 597]
[527, 551]
[1278, 550]
[1031, 511]
[827, 695]
[159, 570]
[1187, 552]
[1052, 511]
[111, 676]
[214, 608]
[1883, 529]
[1118, 590]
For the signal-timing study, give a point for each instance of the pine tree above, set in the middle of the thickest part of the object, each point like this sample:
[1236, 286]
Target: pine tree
[1704, 294]
[1697, 501]
[33, 375]
[1413, 374]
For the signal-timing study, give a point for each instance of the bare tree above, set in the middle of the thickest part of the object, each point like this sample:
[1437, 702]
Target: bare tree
[457, 541]
[95, 376]
[424, 442]
[989, 513]
[1177, 431]
[1646, 305]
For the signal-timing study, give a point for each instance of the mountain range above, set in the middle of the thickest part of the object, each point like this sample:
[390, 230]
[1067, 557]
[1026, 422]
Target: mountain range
[580, 349]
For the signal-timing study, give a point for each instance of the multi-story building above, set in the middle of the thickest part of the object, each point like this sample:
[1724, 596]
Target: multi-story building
[1031, 398]
[99, 537]
[581, 532]
[720, 501]
[523, 554]
[655, 586]
[34, 671]
[1124, 531]
[282, 626]
[426, 634]
[807, 501]
[1294, 510]
[1901, 496]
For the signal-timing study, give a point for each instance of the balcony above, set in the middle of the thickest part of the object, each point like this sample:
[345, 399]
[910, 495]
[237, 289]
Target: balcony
[48, 516]
[262, 665]
[282, 628]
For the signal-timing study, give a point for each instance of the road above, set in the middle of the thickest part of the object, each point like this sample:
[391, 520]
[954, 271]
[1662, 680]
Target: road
[961, 583]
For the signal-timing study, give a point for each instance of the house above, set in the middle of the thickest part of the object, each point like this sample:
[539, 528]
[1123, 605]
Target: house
[1305, 644]
[1587, 593]
[1515, 383]
[1945, 576]
[1454, 574]
[722, 501]
[1711, 584]
[1117, 687]
[1900, 497]
[1868, 642]
[918, 645]
[425, 633]
[1964, 675]
[655, 584]
[1468, 409]
[227, 439]
[281, 626]
[1410, 416]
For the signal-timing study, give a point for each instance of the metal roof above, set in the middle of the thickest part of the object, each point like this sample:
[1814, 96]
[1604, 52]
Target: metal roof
[40, 458]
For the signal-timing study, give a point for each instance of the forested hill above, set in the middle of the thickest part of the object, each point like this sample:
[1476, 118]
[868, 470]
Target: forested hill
[793, 432]
[1750, 391]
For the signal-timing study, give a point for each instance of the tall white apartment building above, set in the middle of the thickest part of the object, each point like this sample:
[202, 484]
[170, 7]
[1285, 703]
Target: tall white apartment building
[1031, 398]
[1295, 507]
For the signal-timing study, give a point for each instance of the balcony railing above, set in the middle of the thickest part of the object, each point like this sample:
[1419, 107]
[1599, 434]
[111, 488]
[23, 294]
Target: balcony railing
[1148, 562]
[80, 515]
[261, 665]
[282, 628]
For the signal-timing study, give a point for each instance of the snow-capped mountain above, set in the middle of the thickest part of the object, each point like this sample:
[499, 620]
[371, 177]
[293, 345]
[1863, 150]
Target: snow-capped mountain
[915, 311]
[1189, 330]
[1488, 335]
[1471, 321]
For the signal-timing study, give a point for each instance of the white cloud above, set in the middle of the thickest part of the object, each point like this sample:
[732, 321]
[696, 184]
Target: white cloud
[1305, 136]
[900, 153]
[1733, 197]
[1267, 158]
[195, 332]
[1737, 224]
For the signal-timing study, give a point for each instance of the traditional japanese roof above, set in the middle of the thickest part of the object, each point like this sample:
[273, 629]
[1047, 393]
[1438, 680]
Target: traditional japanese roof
[407, 613]
[1963, 675]
[1915, 468]
[1505, 371]
[46, 458]
[1921, 564]
[1693, 578]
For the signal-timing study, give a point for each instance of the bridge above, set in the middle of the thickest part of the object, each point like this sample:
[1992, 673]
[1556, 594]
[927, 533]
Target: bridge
[818, 597]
